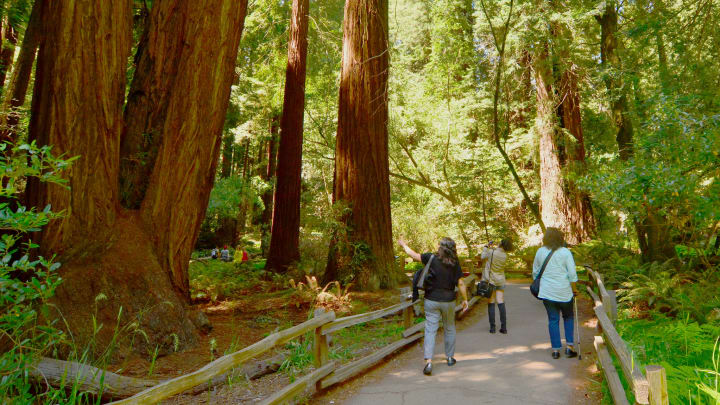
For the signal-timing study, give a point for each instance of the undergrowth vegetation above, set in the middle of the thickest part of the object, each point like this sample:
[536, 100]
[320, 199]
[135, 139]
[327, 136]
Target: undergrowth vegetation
[669, 313]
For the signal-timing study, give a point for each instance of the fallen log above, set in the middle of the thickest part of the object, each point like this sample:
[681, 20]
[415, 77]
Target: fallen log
[60, 373]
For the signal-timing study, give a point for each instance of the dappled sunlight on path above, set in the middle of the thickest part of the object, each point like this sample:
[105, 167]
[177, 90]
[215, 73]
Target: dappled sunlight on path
[492, 368]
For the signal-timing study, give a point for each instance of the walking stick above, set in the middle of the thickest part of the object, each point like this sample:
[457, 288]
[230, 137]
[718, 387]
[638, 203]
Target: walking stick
[577, 328]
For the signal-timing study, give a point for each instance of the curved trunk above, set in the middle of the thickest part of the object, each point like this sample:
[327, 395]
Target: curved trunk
[137, 260]
[361, 154]
[285, 235]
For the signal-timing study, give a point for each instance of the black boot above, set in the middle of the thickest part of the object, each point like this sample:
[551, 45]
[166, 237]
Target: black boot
[491, 316]
[503, 318]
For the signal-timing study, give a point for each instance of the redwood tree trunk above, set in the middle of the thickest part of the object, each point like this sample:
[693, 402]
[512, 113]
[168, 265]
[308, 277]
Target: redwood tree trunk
[361, 154]
[269, 177]
[137, 259]
[8, 50]
[562, 204]
[285, 235]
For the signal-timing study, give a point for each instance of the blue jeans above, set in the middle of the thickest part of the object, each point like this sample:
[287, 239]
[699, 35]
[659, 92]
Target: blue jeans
[554, 309]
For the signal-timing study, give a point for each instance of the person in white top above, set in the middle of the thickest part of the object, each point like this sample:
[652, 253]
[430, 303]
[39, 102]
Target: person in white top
[494, 273]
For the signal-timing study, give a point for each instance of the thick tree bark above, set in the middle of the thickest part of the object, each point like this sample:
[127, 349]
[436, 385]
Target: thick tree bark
[285, 235]
[18, 86]
[361, 154]
[77, 108]
[137, 260]
[7, 53]
[561, 205]
[269, 177]
[184, 170]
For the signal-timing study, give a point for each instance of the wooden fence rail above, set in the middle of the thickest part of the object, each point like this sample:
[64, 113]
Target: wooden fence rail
[647, 390]
[326, 372]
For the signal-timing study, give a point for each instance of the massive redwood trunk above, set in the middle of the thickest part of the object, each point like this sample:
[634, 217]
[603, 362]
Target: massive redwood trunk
[562, 204]
[285, 235]
[361, 154]
[137, 259]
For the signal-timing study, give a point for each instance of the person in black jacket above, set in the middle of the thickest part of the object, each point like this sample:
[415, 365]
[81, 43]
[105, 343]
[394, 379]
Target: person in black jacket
[444, 275]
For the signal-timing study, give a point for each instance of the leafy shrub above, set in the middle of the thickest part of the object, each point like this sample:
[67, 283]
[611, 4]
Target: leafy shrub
[26, 283]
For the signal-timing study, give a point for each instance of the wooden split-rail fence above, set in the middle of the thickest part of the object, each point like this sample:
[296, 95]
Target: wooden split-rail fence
[647, 388]
[326, 373]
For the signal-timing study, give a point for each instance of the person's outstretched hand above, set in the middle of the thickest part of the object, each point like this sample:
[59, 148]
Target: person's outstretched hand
[401, 242]
[465, 305]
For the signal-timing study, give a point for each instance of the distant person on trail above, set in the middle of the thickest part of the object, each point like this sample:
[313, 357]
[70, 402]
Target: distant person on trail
[241, 254]
[494, 273]
[225, 254]
[557, 288]
[214, 253]
[443, 275]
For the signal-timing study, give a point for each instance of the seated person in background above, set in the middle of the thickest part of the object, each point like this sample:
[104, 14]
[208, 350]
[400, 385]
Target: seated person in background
[241, 255]
[225, 254]
[214, 253]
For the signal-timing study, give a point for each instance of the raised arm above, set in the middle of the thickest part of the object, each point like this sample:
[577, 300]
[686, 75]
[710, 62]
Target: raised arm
[415, 255]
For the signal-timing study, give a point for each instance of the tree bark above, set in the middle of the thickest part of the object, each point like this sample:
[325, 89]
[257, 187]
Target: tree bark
[136, 259]
[8, 50]
[184, 170]
[285, 235]
[269, 177]
[562, 205]
[20, 80]
[652, 232]
[361, 154]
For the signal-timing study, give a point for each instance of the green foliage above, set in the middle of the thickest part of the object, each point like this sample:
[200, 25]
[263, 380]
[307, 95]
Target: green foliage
[27, 281]
[216, 280]
[686, 349]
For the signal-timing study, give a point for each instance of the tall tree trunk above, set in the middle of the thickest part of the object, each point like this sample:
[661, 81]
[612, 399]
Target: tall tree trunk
[7, 54]
[18, 86]
[361, 154]
[227, 228]
[652, 232]
[269, 177]
[562, 204]
[184, 170]
[285, 235]
[137, 259]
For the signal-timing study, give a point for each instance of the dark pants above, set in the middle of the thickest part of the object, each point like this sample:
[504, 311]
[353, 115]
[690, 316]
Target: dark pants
[554, 309]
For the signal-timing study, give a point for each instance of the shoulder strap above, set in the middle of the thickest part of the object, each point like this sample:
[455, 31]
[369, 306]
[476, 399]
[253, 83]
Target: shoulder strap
[489, 267]
[421, 281]
[547, 259]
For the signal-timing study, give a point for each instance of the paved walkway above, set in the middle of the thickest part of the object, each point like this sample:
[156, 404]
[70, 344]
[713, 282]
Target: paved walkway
[492, 368]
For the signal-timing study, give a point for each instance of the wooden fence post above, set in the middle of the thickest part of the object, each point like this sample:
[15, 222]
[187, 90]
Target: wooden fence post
[658, 385]
[320, 347]
[408, 317]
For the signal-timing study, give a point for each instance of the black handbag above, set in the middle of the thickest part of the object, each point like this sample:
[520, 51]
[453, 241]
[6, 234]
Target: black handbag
[485, 288]
[535, 286]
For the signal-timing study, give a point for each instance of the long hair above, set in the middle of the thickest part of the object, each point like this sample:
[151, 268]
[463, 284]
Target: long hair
[447, 252]
[553, 238]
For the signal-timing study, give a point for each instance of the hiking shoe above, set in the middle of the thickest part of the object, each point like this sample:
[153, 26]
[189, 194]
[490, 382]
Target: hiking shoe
[492, 329]
[428, 369]
[570, 353]
[503, 331]
[451, 361]
[556, 355]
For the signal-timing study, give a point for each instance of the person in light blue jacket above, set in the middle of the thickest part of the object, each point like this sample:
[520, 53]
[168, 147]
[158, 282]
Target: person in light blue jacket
[557, 289]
